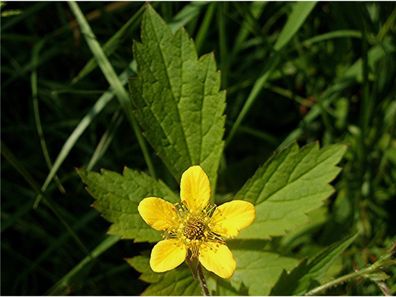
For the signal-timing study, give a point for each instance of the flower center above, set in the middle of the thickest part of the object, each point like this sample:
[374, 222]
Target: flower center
[194, 229]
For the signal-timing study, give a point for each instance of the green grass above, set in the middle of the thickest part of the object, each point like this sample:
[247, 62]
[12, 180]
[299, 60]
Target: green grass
[293, 72]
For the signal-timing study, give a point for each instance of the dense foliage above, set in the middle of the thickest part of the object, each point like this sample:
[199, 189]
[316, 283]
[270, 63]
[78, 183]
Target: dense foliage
[293, 72]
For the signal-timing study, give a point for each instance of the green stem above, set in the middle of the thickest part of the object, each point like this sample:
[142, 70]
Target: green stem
[382, 262]
[197, 272]
[202, 281]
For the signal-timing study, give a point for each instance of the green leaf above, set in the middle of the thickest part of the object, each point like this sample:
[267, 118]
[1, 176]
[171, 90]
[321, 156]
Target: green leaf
[176, 98]
[177, 282]
[256, 273]
[300, 280]
[174, 282]
[117, 197]
[300, 12]
[222, 287]
[293, 182]
[259, 270]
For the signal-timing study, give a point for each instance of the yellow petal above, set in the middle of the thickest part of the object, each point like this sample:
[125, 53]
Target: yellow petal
[195, 188]
[228, 219]
[217, 258]
[158, 213]
[167, 254]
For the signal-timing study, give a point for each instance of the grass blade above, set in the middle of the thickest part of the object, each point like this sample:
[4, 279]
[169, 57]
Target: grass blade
[300, 12]
[9, 156]
[249, 25]
[113, 80]
[203, 30]
[55, 245]
[111, 45]
[332, 35]
[33, 82]
[224, 61]
[71, 141]
[105, 140]
[259, 84]
[62, 287]
[184, 16]
[25, 14]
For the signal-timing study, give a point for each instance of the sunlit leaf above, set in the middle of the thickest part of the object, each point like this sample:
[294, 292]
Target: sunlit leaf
[259, 270]
[293, 182]
[117, 197]
[176, 98]
[177, 282]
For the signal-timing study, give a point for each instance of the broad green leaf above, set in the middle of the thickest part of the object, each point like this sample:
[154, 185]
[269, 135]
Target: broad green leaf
[316, 218]
[256, 273]
[177, 282]
[184, 16]
[141, 264]
[117, 197]
[301, 279]
[222, 287]
[293, 182]
[176, 98]
[300, 12]
[260, 270]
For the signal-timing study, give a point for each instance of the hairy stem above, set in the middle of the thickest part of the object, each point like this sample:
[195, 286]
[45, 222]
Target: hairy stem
[202, 281]
[382, 262]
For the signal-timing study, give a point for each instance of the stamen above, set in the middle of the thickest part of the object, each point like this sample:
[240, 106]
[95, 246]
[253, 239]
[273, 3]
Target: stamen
[209, 209]
[194, 229]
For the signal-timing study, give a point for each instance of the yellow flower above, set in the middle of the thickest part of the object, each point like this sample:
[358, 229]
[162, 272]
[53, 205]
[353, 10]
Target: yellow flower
[194, 228]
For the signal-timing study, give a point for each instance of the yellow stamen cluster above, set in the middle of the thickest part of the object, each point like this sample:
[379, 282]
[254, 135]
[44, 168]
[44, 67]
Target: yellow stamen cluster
[194, 228]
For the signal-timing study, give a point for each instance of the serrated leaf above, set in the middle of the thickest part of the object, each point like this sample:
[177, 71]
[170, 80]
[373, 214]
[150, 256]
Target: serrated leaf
[289, 185]
[259, 270]
[117, 197]
[176, 98]
[141, 264]
[300, 280]
[178, 282]
[221, 287]
[256, 273]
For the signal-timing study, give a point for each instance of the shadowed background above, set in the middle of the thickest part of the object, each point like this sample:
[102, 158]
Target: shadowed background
[334, 81]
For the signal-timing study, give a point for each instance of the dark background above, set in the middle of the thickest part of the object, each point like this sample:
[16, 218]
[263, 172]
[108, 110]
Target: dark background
[40, 246]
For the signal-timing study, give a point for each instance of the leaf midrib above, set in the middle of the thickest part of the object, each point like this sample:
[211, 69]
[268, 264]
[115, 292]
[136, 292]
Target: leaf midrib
[170, 86]
[295, 179]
